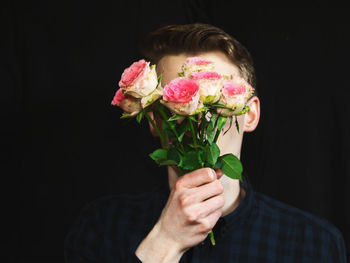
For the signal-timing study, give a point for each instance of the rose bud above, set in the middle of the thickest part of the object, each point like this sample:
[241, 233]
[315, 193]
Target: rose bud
[181, 96]
[129, 104]
[210, 84]
[139, 80]
[234, 95]
[196, 64]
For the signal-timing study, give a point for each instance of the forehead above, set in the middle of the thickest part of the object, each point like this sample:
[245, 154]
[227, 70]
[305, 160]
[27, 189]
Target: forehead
[170, 65]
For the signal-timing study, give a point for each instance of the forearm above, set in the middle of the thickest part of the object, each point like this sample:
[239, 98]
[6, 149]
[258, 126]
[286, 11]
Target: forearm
[157, 248]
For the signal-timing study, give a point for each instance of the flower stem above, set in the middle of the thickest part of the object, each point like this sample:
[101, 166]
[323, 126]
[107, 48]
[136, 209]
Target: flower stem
[218, 131]
[212, 238]
[165, 118]
[194, 136]
[202, 126]
[156, 129]
[217, 135]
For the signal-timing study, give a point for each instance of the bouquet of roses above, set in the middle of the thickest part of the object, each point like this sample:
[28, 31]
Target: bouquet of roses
[193, 108]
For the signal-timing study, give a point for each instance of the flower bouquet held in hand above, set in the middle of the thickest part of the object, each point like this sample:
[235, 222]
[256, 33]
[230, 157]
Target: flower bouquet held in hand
[193, 108]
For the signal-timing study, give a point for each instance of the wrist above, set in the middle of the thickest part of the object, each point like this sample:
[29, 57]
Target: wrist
[156, 247]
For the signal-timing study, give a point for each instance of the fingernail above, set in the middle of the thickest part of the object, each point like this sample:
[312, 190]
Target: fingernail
[218, 173]
[213, 172]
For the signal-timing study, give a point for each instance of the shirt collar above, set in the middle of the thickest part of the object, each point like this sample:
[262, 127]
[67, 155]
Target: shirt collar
[238, 216]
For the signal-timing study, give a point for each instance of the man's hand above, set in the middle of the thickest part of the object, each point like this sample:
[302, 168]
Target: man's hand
[193, 208]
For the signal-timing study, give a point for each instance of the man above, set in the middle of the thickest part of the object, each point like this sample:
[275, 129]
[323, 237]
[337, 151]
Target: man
[173, 226]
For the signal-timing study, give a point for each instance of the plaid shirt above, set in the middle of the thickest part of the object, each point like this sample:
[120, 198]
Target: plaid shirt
[260, 230]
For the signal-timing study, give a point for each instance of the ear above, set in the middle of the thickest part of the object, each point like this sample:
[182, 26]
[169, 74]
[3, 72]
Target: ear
[251, 118]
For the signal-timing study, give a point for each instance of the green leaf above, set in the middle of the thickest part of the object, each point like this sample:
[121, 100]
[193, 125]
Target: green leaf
[195, 147]
[167, 162]
[167, 129]
[182, 129]
[237, 125]
[171, 125]
[218, 164]
[125, 116]
[243, 111]
[206, 107]
[221, 122]
[231, 166]
[159, 155]
[192, 118]
[139, 116]
[190, 161]
[175, 117]
[218, 105]
[210, 132]
[159, 80]
[181, 74]
[231, 120]
[212, 153]
[166, 157]
[173, 155]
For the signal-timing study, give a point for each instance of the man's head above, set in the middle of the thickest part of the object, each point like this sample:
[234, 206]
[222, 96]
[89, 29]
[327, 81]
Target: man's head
[193, 39]
[169, 46]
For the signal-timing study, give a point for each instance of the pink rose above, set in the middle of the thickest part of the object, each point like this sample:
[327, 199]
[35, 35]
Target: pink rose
[181, 96]
[180, 90]
[231, 88]
[132, 73]
[205, 75]
[139, 80]
[118, 97]
[234, 95]
[129, 104]
[210, 84]
[196, 64]
[197, 61]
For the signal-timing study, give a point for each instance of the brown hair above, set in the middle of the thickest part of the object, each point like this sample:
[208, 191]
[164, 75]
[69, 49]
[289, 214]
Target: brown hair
[196, 38]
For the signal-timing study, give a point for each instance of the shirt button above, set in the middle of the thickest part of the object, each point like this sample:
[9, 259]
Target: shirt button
[223, 231]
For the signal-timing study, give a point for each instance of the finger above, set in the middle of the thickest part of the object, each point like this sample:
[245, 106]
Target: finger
[196, 178]
[209, 206]
[207, 224]
[206, 191]
[219, 173]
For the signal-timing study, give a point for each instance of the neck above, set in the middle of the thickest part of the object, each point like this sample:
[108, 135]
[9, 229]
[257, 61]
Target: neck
[233, 193]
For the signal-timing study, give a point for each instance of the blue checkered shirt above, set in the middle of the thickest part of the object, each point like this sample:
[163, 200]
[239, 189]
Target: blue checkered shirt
[260, 230]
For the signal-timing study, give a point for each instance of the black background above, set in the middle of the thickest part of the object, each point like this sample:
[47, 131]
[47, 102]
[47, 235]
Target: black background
[64, 145]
